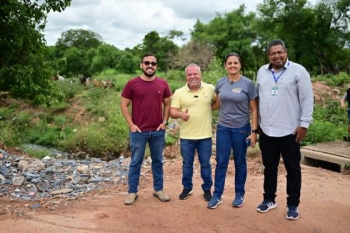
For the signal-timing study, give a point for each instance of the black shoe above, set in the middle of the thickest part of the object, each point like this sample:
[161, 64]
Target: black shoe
[185, 194]
[207, 195]
[346, 138]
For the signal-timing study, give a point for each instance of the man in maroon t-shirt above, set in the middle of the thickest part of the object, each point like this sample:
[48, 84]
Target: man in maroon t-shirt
[150, 99]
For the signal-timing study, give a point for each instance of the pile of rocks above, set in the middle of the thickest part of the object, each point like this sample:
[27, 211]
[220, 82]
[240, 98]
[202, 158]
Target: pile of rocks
[24, 178]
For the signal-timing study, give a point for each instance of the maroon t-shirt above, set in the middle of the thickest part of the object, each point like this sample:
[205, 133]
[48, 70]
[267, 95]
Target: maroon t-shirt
[147, 101]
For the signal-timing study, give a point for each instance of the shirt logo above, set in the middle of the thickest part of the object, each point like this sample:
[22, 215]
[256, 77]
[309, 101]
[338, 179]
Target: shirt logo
[236, 90]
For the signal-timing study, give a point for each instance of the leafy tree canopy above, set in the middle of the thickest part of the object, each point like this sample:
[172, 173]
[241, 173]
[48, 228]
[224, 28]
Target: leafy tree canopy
[318, 36]
[23, 71]
[230, 32]
[79, 38]
[161, 47]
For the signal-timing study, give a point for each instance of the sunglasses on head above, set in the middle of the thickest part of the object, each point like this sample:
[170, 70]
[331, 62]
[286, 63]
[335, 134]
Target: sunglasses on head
[147, 63]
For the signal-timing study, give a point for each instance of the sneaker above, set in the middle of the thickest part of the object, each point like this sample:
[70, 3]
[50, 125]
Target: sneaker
[130, 199]
[214, 202]
[292, 213]
[185, 194]
[238, 201]
[161, 195]
[266, 206]
[207, 195]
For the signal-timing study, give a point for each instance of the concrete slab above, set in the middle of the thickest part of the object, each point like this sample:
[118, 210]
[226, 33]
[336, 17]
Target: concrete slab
[336, 152]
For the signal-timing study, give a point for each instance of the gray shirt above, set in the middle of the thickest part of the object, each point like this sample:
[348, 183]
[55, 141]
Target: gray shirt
[234, 101]
[292, 106]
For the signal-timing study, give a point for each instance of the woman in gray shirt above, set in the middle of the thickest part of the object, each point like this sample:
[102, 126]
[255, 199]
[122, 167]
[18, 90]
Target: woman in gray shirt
[236, 98]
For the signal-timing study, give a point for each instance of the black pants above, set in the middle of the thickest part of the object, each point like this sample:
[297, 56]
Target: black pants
[271, 149]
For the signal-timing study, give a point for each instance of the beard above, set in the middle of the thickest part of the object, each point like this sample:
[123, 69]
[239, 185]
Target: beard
[149, 74]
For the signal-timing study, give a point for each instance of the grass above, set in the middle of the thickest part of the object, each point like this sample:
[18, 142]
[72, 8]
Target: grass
[175, 78]
[37, 153]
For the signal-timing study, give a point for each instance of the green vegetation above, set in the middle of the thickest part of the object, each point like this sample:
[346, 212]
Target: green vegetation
[316, 36]
[37, 153]
[24, 70]
[73, 117]
[347, 166]
[330, 121]
[334, 80]
[89, 118]
[101, 130]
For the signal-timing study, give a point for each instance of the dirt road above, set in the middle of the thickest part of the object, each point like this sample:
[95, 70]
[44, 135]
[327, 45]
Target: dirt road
[325, 207]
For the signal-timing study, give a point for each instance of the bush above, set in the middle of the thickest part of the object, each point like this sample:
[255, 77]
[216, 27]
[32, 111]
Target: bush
[329, 124]
[177, 75]
[323, 131]
[215, 71]
[108, 137]
[333, 80]
[332, 113]
[70, 89]
[99, 139]
[13, 128]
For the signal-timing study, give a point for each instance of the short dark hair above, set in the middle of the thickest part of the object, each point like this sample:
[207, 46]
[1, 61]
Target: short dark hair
[233, 55]
[274, 43]
[147, 55]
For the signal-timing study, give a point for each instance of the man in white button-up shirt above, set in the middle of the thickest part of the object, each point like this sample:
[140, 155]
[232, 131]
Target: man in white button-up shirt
[285, 112]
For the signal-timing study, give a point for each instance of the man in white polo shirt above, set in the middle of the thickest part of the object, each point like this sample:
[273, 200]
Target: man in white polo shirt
[285, 112]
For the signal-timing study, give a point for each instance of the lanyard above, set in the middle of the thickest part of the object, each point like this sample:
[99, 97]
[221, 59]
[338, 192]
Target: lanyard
[276, 78]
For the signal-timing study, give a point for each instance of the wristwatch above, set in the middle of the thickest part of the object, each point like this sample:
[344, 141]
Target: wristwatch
[255, 131]
[165, 122]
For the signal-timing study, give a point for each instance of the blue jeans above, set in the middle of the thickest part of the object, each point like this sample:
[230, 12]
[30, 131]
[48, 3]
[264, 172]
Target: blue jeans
[204, 148]
[227, 139]
[156, 143]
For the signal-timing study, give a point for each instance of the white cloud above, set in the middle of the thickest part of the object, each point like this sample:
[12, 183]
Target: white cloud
[124, 23]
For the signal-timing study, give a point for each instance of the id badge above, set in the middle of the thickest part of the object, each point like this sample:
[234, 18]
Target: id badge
[274, 91]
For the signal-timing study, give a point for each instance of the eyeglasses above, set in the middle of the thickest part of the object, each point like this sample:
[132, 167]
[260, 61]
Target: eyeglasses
[147, 63]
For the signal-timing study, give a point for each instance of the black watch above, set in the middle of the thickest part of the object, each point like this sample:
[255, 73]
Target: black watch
[255, 131]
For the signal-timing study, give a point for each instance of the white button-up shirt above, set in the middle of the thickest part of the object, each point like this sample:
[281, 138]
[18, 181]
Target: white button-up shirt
[292, 106]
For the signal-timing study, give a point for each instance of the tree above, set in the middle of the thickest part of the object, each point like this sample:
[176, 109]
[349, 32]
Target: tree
[173, 34]
[79, 38]
[161, 47]
[23, 71]
[192, 52]
[76, 62]
[317, 37]
[230, 32]
[108, 55]
[97, 65]
[88, 54]
[128, 63]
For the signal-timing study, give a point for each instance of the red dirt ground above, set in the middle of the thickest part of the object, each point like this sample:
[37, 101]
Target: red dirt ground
[325, 207]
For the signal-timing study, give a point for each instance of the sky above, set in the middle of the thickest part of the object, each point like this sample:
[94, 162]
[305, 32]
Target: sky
[124, 23]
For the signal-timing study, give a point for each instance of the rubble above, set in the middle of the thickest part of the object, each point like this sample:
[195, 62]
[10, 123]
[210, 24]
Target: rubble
[31, 179]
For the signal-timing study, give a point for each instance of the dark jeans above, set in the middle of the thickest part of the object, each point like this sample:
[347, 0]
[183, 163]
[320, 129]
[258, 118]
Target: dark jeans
[188, 149]
[271, 149]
